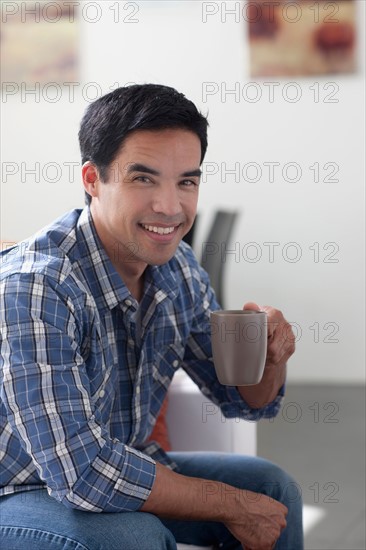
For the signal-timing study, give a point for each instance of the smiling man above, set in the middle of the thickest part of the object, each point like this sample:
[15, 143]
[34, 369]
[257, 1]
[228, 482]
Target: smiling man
[99, 310]
[149, 205]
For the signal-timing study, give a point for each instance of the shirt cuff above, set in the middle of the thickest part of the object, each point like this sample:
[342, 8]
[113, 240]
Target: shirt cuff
[119, 479]
[238, 407]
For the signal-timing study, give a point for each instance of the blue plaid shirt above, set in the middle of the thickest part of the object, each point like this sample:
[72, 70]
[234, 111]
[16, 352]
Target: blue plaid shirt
[85, 367]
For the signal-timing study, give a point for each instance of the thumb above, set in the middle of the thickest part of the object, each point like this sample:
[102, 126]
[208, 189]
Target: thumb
[253, 306]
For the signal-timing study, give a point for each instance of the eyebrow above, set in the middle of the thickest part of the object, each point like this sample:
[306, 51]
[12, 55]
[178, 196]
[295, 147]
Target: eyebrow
[137, 167]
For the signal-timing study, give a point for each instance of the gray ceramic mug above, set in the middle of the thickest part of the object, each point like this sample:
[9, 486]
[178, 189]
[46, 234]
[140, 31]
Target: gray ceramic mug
[239, 345]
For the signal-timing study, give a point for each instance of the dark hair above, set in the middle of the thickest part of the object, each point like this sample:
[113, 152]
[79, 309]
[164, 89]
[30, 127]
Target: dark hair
[111, 118]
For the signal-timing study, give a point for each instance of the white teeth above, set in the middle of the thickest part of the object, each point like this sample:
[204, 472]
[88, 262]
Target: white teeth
[159, 230]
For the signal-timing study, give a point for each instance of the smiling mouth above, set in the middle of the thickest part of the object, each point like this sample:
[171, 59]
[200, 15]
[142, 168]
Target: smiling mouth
[159, 230]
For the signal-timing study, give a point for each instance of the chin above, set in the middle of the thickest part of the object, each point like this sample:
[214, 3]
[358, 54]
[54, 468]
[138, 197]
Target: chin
[160, 259]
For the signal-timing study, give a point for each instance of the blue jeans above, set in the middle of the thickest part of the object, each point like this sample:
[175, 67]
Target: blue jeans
[34, 521]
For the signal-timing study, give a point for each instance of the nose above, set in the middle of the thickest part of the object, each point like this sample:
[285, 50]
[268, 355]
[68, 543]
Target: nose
[167, 201]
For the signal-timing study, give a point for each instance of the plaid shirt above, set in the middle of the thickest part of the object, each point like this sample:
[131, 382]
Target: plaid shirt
[85, 367]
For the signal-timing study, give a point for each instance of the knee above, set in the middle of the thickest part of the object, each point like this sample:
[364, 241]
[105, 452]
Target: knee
[281, 486]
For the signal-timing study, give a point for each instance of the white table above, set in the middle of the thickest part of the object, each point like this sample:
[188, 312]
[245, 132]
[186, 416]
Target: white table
[196, 424]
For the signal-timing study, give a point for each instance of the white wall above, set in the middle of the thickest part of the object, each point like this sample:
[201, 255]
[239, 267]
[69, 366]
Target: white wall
[171, 44]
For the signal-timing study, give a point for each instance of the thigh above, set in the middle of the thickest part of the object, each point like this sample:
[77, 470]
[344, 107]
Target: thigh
[245, 472]
[242, 472]
[34, 521]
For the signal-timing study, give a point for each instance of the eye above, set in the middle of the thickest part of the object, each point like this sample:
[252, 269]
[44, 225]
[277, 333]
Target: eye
[189, 183]
[143, 179]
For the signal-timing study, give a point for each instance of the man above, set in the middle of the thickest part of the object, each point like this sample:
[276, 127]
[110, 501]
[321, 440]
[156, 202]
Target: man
[99, 310]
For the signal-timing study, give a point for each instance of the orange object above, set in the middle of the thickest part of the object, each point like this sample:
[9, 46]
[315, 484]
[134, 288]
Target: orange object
[160, 432]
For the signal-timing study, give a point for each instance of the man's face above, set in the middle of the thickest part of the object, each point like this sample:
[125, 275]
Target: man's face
[150, 198]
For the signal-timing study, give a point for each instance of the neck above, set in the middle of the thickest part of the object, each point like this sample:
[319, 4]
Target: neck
[132, 274]
[135, 286]
[130, 269]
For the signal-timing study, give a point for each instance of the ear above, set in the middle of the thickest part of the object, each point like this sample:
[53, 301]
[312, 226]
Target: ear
[90, 177]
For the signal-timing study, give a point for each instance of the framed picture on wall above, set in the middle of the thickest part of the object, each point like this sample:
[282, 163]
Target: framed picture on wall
[39, 42]
[301, 38]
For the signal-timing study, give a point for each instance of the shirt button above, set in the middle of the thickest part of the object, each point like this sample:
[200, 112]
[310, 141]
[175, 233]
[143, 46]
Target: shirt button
[175, 363]
[101, 393]
[128, 303]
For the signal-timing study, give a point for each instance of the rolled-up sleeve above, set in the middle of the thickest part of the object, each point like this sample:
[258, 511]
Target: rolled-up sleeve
[50, 407]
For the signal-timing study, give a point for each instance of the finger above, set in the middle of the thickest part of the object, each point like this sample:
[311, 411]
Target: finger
[282, 344]
[274, 320]
[283, 523]
[252, 306]
[278, 354]
[281, 509]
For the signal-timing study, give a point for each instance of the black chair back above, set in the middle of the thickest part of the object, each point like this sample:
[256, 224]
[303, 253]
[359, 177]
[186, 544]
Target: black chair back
[213, 257]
